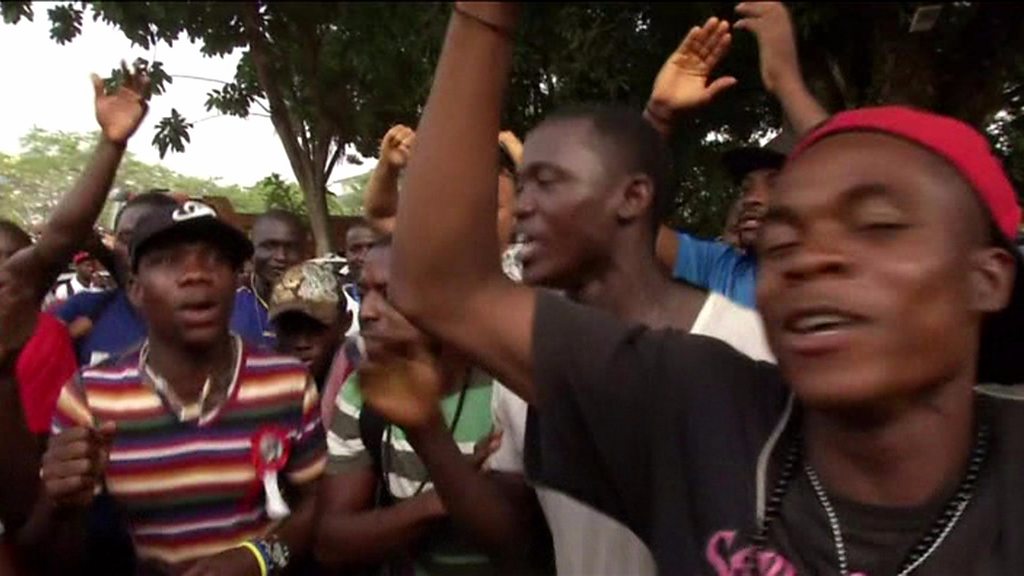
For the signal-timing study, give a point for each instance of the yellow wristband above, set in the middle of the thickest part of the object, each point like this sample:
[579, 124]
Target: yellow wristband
[255, 552]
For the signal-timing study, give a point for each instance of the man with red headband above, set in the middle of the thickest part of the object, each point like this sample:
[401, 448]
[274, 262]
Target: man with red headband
[886, 284]
[82, 280]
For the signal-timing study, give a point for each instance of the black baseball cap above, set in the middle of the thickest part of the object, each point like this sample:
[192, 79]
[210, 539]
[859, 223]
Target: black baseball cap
[190, 221]
[742, 161]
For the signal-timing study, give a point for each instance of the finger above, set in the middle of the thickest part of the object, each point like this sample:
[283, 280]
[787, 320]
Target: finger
[70, 450]
[97, 85]
[62, 488]
[126, 74]
[106, 432]
[719, 50]
[690, 42]
[753, 9]
[748, 24]
[720, 85]
[70, 469]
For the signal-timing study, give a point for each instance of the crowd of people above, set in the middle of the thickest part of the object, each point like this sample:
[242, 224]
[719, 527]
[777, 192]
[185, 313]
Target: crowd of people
[521, 369]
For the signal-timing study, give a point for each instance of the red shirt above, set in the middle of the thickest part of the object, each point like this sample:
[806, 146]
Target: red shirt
[46, 363]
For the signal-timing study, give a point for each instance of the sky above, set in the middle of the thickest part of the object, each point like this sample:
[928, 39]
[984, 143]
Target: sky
[47, 85]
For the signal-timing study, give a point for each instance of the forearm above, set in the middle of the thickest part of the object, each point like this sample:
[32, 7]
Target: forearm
[73, 219]
[371, 536]
[380, 204]
[54, 537]
[460, 121]
[499, 520]
[296, 531]
[800, 107]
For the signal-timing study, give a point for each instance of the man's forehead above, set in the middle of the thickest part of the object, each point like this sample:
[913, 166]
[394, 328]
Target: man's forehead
[559, 141]
[274, 228]
[853, 159]
[359, 234]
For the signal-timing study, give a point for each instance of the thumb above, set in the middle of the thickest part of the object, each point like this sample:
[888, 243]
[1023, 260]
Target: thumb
[720, 85]
[97, 85]
[105, 433]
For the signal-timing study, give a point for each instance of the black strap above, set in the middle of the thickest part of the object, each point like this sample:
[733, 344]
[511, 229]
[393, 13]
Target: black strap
[371, 430]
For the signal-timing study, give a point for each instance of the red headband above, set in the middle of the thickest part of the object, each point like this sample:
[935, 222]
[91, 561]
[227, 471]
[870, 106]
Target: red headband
[957, 143]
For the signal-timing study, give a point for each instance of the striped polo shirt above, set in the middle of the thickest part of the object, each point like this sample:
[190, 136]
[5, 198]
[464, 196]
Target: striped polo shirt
[444, 551]
[190, 489]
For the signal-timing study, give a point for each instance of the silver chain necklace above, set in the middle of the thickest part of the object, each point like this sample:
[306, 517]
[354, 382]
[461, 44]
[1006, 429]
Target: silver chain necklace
[940, 529]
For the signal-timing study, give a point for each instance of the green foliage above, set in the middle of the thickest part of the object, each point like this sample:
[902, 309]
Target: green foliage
[172, 132]
[342, 73]
[32, 182]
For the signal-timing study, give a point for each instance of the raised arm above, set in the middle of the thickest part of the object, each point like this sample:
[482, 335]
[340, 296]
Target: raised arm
[69, 227]
[770, 22]
[26, 277]
[446, 276]
[381, 200]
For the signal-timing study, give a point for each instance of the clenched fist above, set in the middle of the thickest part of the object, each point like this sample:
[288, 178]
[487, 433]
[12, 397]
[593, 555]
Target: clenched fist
[74, 464]
[396, 146]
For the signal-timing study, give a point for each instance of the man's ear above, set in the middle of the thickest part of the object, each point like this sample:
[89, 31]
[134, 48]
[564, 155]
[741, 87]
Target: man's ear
[636, 198]
[993, 273]
[134, 290]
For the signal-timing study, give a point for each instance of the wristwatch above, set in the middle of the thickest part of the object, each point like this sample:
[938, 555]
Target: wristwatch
[275, 553]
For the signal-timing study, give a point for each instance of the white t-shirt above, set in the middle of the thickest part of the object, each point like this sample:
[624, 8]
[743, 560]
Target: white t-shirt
[587, 542]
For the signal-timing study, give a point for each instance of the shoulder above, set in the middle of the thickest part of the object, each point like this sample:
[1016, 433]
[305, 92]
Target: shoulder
[734, 324]
[260, 361]
[120, 369]
[82, 303]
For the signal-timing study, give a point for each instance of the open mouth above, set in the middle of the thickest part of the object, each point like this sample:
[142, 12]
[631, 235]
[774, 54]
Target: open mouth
[200, 312]
[816, 322]
[528, 247]
[820, 330]
[749, 223]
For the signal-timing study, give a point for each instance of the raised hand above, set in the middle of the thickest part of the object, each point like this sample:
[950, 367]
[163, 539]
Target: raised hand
[400, 376]
[512, 145]
[396, 146]
[682, 82]
[74, 464]
[120, 112]
[772, 26]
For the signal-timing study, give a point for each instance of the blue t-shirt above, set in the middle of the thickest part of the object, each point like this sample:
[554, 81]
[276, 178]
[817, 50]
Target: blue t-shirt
[249, 320]
[116, 327]
[717, 267]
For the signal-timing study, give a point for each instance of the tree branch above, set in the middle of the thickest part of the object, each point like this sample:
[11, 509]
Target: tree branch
[329, 168]
[279, 113]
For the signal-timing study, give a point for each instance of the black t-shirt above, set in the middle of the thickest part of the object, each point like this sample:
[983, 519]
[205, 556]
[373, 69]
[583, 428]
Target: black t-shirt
[681, 438]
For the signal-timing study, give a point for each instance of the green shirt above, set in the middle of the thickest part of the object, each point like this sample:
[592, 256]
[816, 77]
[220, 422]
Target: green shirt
[443, 552]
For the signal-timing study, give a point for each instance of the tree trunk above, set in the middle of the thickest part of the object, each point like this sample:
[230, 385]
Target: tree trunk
[315, 195]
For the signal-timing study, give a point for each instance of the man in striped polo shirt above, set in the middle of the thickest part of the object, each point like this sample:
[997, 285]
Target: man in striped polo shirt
[210, 446]
[378, 504]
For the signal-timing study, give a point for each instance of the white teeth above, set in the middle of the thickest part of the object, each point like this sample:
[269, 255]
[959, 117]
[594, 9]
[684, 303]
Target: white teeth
[818, 322]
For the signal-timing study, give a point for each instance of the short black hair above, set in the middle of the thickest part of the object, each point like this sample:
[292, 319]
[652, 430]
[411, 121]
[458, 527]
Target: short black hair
[634, 142]
[14, 232]
[149, 199]
[279, 215]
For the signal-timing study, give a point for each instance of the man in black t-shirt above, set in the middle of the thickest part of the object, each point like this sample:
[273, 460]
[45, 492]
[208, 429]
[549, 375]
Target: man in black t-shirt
[887, 288]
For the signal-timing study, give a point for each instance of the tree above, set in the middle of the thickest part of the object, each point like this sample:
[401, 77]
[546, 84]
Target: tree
[315, 68]
[338, 74]
[32, 181]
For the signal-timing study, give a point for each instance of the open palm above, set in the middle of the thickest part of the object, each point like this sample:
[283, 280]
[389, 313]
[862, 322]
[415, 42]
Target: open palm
[120, 112]
[682, 82]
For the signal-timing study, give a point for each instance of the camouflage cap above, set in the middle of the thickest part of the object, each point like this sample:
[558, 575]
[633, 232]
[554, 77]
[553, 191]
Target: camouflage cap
[309, 288]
